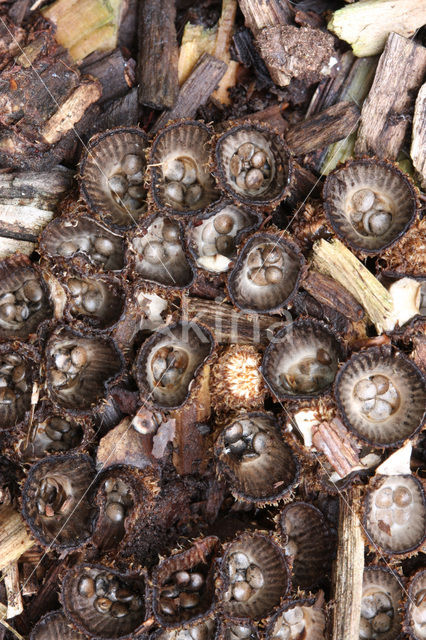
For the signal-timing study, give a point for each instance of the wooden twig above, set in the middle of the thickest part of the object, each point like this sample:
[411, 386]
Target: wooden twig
[158, 54]
[189, 445]
[15, 604]
[14, 539]
[332, 294]
[366, 25]
[386, 112]
[349, 568]
[259, 14]
[320, 130]
[71, 111]
[418, 143]
[335, 260]
[230, 326]
[195, 91]
[114, 72]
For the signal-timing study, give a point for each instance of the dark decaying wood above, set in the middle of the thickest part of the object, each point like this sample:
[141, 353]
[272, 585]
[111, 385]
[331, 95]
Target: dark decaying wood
[388, 110]
[195, 91]
[121, 112]
[349, 568]
[303, 184]
[332, 294]
[333, 124]
[259, 14]
[158, 54]
[249, 57]
[189, 443]
[114, 72]
[272, 115]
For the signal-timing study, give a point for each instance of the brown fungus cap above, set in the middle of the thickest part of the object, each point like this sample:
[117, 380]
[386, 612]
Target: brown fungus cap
[54, 626]
[93, 300]
[24, 298]
[251, 455]
[302, 359]
[112, 174]
[369, 203]
[213, 236]
[236, 383]
[56, 501]
[266, 274]
[183, 585]
[308, 541]
[255, 576]
[79, 366]
[253, 165]
[415, 606]
[18, 372]
[382, 591]
[82, 240]
[156, 253]
[297, 619]
[181, 183]
[395, 514]
[54, 432]
[103, 603]
[381, 396]
[169, 362]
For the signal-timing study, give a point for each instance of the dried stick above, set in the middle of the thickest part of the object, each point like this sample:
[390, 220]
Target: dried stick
[158, 54]
[384, 116]
[195, 91]
[418, 144]
[335, 260]
[322, 129]
[349, 568]
[14, 539]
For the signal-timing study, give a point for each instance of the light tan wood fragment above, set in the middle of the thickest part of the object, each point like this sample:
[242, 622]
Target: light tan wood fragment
[71, 111]
[14, 538]
[334, 259]
[349, 568]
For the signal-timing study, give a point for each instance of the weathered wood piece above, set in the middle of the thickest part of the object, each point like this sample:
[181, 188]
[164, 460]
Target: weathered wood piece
[15, 605]
[158, 54]
[114, 72]
[418, 141]
[271, 115]
[230, 326]
[335, 260]
[349, 568]
[121, 112]
[71, 111]
[85, 26]
[195, 91]
[332, 294]
[28, 202]
[366, 25]
[249, 57]
[303, 184]
[317, 132]
[386, 112]
[189, 444]
[14, 539]
[259, 14]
